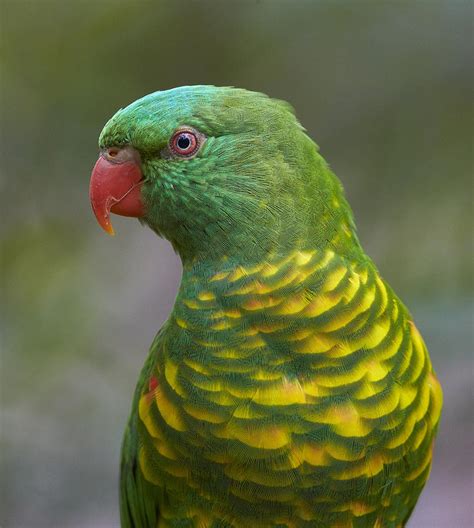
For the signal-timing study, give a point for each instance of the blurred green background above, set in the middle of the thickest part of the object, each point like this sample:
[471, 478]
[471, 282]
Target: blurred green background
[383, 87]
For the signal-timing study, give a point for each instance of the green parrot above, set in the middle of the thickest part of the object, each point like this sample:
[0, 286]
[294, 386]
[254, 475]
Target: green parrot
[289, 386]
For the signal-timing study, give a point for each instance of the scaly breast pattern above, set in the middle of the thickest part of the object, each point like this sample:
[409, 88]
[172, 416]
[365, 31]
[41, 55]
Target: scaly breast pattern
[293, 393]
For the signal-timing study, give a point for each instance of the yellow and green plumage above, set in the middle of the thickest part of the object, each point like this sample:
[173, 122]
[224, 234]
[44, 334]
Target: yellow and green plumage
[289, 387]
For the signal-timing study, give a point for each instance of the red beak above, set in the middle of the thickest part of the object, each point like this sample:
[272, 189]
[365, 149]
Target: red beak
[116, 185]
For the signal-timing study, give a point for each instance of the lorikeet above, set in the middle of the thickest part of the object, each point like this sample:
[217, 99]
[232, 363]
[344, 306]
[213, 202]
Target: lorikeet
[289, 386]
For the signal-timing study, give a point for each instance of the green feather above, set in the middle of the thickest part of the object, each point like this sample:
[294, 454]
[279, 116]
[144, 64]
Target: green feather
[289, 386]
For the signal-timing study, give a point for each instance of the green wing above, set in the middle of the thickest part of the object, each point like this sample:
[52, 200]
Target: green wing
[138, 497]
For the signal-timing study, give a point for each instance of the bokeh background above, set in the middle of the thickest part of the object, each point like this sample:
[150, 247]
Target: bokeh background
[383, 87]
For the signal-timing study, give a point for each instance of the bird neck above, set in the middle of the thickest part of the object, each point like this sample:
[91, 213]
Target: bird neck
[303, 209]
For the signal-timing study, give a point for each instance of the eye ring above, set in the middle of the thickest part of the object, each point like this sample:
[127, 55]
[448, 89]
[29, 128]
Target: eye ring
[185, 142]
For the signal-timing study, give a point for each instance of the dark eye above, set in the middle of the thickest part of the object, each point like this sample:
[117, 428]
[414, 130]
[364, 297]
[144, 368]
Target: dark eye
[184, 143]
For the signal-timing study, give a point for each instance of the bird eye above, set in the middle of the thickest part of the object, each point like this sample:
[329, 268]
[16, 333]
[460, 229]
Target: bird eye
[184, 143]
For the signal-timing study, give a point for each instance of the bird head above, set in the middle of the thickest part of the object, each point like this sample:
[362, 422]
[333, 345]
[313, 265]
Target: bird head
[216, 171]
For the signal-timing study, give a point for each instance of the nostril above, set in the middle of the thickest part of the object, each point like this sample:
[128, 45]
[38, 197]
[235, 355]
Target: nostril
[119, 154]
[113, 152]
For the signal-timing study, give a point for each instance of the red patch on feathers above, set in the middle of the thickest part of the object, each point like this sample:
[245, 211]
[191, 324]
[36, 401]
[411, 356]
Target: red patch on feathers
[152, 384]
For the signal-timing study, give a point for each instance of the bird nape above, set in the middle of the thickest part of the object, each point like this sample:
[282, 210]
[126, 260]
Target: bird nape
[289, 386]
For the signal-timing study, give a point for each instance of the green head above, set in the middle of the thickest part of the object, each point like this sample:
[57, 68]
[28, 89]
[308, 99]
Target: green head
[229, 172]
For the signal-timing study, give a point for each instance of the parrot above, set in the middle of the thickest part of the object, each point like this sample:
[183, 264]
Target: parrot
[289, 387]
